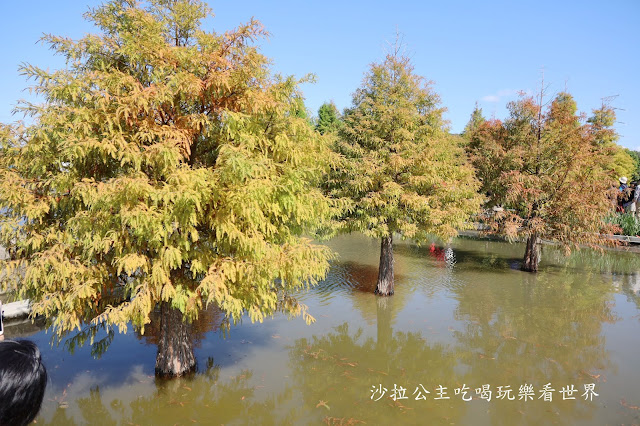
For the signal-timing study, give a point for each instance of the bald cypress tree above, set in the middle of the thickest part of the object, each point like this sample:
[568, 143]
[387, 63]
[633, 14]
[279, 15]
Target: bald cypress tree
[475, 121]
[166, 170]
[602, 123]
[401, 173]
[329, 119]
[549, 170]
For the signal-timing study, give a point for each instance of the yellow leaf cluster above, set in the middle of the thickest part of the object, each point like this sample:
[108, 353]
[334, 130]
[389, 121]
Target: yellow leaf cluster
[165, 165]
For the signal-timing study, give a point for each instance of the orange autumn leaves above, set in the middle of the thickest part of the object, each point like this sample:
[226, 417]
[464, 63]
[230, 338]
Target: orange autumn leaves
[546, 168]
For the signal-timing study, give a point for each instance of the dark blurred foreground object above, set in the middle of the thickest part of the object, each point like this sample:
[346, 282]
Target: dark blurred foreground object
[23, 379]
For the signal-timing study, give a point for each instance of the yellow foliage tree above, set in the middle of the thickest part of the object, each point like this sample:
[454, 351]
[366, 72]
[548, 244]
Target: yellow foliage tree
[166, 170]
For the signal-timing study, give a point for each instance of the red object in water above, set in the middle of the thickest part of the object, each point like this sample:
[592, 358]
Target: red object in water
[436, 252]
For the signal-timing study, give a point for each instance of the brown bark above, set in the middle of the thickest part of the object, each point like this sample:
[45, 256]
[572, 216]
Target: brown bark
[532, 254]
[385, 283]
[175, 345]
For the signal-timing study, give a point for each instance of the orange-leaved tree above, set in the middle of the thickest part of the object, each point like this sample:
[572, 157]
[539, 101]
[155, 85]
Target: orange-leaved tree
[544, 165]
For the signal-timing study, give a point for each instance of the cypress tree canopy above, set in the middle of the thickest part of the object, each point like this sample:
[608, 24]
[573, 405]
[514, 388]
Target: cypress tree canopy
[165, 165]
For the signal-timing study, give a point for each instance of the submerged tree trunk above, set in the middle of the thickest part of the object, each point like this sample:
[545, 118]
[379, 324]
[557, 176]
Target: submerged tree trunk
[385, 271]
[175, 346]
[532, 254]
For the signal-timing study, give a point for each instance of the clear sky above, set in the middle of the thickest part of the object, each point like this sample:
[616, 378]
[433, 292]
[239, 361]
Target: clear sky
[473, 51]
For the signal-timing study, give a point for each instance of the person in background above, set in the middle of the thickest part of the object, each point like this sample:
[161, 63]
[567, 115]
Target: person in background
[23, 380]
[629, 203]
[622, 193]
[634, 209]
[623, 183]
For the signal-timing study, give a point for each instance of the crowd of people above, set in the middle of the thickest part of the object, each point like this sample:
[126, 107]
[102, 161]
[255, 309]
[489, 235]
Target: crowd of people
[628, 196]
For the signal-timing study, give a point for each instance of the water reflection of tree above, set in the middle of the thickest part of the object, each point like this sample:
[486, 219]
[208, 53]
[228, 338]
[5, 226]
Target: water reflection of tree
[204, 399]
[362, 281]
[624, 260]
[629, 285]
[517, 328]
[342, 367]
[331, 378]
[540, 329]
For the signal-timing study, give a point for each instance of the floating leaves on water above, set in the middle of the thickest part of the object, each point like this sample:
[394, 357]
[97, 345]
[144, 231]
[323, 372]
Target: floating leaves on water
[483, 356]
[593, 376]
[322, 403]
[341, 421]
[623, 402]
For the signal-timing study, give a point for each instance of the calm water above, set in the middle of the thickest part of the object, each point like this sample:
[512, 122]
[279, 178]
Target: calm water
[460, 320]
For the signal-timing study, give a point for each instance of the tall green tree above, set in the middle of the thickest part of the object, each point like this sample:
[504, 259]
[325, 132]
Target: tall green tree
[400, 172]
[635, 156]
[329, 119]
[602, 121]
[547, 168]
[475, 121]
[168, 169]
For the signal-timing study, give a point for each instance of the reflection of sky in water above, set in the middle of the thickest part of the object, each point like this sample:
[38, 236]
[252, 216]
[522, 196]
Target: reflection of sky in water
[463, 315]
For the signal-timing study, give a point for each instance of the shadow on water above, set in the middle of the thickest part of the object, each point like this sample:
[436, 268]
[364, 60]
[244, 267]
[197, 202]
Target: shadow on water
[353, 277]
[347, 277]
[499, 255]
[356, 282]
[115, 359]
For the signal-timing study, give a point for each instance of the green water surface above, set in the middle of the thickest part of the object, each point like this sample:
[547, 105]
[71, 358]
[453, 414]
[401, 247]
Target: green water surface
[465, 331]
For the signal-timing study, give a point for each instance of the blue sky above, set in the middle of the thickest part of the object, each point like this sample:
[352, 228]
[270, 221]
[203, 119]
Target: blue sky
[473, 51]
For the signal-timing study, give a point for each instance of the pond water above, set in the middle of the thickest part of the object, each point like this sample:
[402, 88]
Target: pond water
[464, 325]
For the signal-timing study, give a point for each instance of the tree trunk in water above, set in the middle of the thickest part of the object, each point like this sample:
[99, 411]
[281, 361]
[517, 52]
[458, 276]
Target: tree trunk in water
[385, 271]
[175, 346]
[532, 254]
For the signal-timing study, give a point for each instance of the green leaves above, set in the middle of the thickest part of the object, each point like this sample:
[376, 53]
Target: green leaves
[397, 165]
[329, 119]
